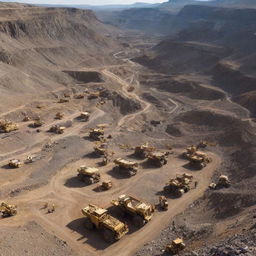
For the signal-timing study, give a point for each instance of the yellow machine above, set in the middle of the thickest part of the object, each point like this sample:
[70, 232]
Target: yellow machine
[111, 228]
[176, 246]
[84, 116]
[199, 160]
[7, 126]
[190, 151]
[100, 149]
[163, 203]
[88, 175]
[158, 158]
[26, 118]
[129, 168]
[93, 95]
[223, 182]
[37, 123]
[107, 184]
[179, 185]
[142, 212]
[15, 163]
[96, 134]
[142, 151]
[59, 116]
[57, 129]
[8, 210]
[62, 100]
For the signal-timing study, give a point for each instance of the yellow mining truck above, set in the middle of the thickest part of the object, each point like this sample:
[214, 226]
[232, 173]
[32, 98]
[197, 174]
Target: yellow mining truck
[175, 247]
[199, 160]
[100, 149]
[8, 210]
[142, 151]
[88, 175]
[15, 163]
[7, 126]
[57, 129]
[129, 168]
[84, 116]
[141, 212]
[93, 95]
[163, 203]
[190, 151]
[158, 158]
[59, 116]
[96, 134]
[179, 185]
[111, 228]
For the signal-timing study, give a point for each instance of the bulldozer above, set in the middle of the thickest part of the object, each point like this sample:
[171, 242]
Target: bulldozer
[158, 158]
[57, 129]
[179, 185]
[163, 203]
[111, 228]
[199, 160]
[15, 163]
[8, 126]
[176, 246]
[84, 116]
[107, 184]
[143, 150]
[59, 116]
[128, 167]
[141, 212]
[96, 134]
[88, 175]
[223, 182]
[8, 210]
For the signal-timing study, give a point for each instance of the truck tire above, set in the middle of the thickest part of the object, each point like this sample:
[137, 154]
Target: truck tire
[108, 235]
[138, 221]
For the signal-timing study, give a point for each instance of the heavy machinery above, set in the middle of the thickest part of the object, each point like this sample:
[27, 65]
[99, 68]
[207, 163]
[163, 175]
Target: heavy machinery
[163, 203]
[8, 210]
[26, 118]
[107, 184]
[199, 160]
[79, 96]
[124, 166]
[93, 95]
[15, 163]
[223, 182]
[84, 116]
[190, 151]
[57, 129]
[88, 175]
[158, 158]
[96, 134]
[179, 185]
[111, 228]
[100, 149]
[143, 150]
[176, 246]
[62, 100]
[37, 123]
[7, 126]
[59, 116]
[141, 212]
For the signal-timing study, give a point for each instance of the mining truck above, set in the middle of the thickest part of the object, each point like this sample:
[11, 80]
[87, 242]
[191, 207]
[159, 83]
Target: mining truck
[96, 134]
[100, 149]
[57, 129]
[158, 158]
[127, 167]
[175, 247]
[8, 126]
[59, 116]
[142, 151]
[179, 185]
[141, 212]
[107, 184]
[163, 203]
[93, 95]
[199, 160]
[190, 151]
[84, 116]
[8, 210]
[15, 163]
[88, 175]
[111, 228]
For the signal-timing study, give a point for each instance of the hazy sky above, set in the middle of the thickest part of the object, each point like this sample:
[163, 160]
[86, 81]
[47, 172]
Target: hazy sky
[91, 2]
